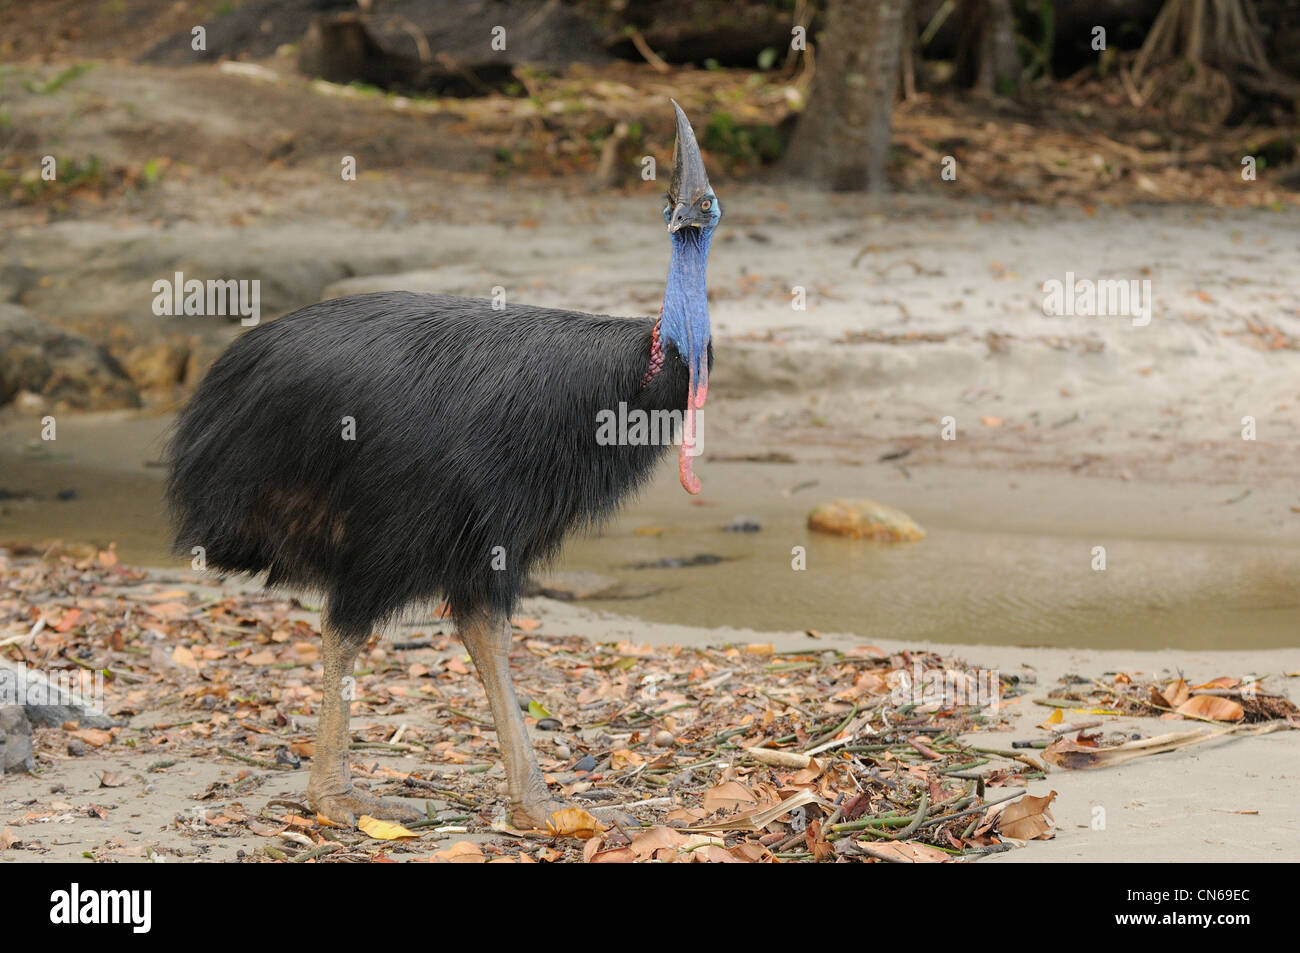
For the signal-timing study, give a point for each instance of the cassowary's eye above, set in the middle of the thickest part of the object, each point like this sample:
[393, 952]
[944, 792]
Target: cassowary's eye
[704, 206]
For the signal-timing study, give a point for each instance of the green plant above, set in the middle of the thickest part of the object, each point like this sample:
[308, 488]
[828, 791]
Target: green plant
[756, 143]
[59, 79]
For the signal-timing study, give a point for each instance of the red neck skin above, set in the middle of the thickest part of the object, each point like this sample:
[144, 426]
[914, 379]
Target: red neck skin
[656, 353]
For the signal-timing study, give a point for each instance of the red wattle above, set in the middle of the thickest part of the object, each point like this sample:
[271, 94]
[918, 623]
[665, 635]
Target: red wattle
[698, 391]
[690, 482]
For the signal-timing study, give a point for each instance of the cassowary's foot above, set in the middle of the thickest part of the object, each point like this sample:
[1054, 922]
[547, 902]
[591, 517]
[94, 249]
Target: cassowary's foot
[348, 807]
[532, 815]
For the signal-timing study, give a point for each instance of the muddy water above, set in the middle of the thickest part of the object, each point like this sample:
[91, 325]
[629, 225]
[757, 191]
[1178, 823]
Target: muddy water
[1007, 560]
[966, 586]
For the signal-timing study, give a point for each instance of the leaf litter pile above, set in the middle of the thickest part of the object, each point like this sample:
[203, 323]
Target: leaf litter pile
[722, 754]
[1234, 705]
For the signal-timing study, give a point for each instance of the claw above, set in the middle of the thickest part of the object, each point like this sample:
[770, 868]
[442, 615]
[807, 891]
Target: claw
[346, 808]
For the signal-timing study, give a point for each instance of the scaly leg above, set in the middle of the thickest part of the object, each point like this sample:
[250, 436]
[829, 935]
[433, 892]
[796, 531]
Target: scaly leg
[488, 640]
[330, 789]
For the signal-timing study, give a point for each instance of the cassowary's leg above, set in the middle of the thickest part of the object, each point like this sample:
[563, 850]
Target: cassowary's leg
[488, 641]
[330, 789]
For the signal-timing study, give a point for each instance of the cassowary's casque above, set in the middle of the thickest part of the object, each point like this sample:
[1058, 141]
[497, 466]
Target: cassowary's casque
[392, 449]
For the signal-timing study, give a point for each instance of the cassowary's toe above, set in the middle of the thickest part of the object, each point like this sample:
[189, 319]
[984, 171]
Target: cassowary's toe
[350, 807]
[534, 815]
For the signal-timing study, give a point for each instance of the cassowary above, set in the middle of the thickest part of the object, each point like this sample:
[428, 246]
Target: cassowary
[390, 450]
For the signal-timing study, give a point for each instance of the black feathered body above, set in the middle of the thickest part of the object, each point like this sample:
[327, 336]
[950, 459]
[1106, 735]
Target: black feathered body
[474, 429]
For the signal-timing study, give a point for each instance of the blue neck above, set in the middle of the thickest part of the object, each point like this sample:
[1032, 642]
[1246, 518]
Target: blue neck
[685, 321]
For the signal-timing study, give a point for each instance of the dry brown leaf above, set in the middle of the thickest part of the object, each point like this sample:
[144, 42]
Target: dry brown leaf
[865, 651]
[461, 852]
[574, 822]
[168, 611]
[905, 852]
[96, 737]
[645, 845]
[623, 758]
[184, 657]
[1174, 694]
[809, 774]
[1064, 753]
[68, 621]
[382, 830]
[1028, 818]
[1223, 681]
[1212, 706]
[595, 852]
[642, 650]
[728, 796]
[755, 819]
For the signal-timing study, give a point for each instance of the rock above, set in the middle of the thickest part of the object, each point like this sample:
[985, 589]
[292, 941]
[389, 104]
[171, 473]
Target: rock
[30, 403]
[664, 739]
[15, 740]
[864, 519]
[743, 524]
[437, 46]
[158, 365]
[77, 748]
[65, 368]
[44, 702]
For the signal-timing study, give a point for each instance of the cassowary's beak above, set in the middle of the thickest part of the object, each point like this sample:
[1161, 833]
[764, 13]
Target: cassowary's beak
[690, 181]
[681, 218]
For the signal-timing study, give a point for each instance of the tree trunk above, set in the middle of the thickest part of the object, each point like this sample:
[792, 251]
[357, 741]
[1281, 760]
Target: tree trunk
[842, 138]
[999, 69]
[987, 59]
